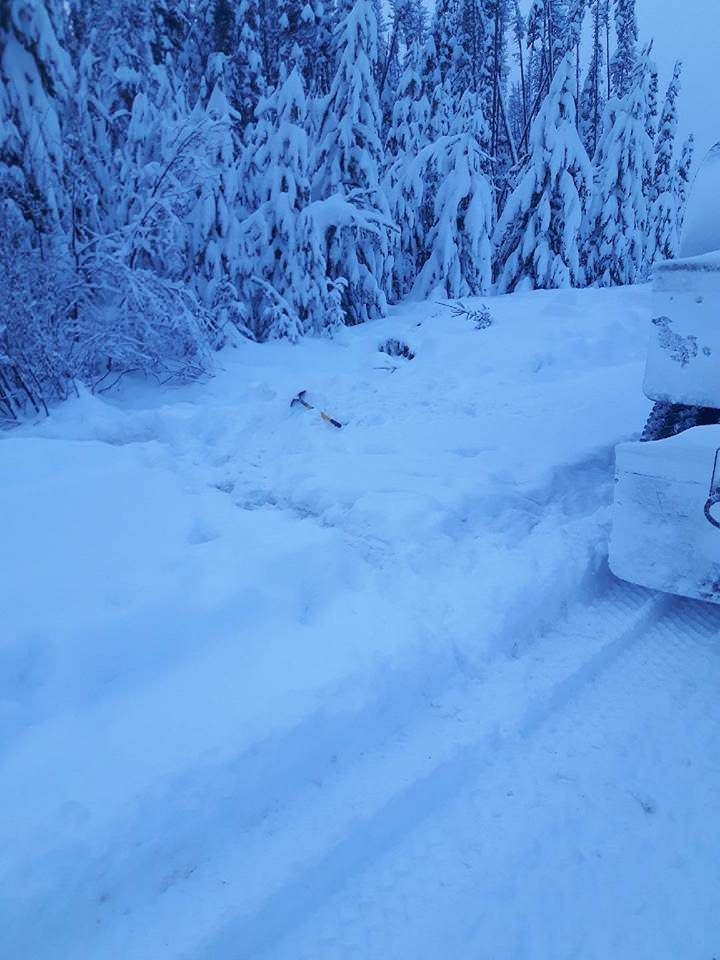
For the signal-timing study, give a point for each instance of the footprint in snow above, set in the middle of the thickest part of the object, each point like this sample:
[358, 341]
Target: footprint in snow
[202, 532]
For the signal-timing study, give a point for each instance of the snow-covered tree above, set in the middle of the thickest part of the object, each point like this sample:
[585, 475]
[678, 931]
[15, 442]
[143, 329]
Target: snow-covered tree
[682, 180]
[618, 223]
[406, 137]
[348, 162]
[443, 34]
[472, 47]
[213, 235]
[435, 90]
[457, 211]
[625, 59]
[247, 57]
[592, 100]
[304, 41]
[538, 234]
[664, 239]
[36, 80]
[284, 273]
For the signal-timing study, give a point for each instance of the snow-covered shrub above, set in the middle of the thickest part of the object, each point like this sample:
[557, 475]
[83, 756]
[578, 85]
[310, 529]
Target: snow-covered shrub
[36, 362]
[479, 316]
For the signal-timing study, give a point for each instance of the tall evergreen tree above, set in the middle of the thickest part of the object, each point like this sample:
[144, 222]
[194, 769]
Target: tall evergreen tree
[348, 162]
[618, 223]
[285, 286]
[538, 234]
[36, 81]
[443, 34]
[213, 228]
[457, 208]
[682, 180]
[625, 59]
[664, 240]
[592, 100]
[406, 137]
[248, 59]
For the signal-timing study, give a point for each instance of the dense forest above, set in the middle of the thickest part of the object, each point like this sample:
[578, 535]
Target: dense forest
[177, 173]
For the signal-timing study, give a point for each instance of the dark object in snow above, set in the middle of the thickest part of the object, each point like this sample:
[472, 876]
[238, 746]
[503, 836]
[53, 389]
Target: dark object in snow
[301, 401]
[396, 348]
[669, 419]
[480, 316]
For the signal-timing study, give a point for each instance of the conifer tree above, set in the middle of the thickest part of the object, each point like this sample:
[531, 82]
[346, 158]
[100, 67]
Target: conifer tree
[538, 234]
[213, 229]
[249, 66]
[619, 217]
[457, 207]
[348, 162]
[36, 81]
[435, 90]
[625, 59]
[592, 100]
[406, 138]
[519, 32]
[284, 277]
[443, 32]
[664, 240]
[682, 180]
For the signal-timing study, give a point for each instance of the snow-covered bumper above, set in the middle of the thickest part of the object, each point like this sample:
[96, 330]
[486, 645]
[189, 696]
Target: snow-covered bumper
[662, 537]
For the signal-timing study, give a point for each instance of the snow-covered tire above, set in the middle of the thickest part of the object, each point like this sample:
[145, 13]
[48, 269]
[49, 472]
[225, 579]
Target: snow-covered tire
[669, 419]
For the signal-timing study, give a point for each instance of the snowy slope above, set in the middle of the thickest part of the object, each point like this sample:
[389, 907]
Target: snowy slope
[254, 667]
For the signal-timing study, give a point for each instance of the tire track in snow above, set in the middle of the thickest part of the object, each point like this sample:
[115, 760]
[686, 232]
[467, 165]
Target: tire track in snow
[632, 613]
[592, 837]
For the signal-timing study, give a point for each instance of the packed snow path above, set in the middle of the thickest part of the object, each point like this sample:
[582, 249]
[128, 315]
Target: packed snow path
[286, 691]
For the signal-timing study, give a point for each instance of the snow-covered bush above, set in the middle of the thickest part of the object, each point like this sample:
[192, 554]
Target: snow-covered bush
[36, 353]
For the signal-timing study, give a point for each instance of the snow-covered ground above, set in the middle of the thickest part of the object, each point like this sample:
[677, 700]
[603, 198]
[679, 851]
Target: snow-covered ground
[270, 688]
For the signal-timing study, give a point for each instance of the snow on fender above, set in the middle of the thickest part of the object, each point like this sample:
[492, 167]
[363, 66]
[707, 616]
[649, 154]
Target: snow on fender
[683, 364]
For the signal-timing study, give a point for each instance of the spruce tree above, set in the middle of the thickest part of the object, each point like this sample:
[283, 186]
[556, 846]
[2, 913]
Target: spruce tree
[619, 218]
[682, 181]
[36, 81]
[625, 59]
[213, 252]
[406, 138]
[592, 100]
[538, 234]
[457, 211]
[284, 275]
[664, 240]
[443, 35]
[348, 162]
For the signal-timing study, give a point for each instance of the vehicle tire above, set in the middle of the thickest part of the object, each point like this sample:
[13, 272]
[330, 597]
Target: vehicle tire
[669, 419]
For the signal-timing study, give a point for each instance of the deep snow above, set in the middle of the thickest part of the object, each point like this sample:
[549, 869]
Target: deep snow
[269, 687]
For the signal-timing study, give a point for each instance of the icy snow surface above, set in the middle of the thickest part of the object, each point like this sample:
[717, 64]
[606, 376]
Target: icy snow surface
[269, 688]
